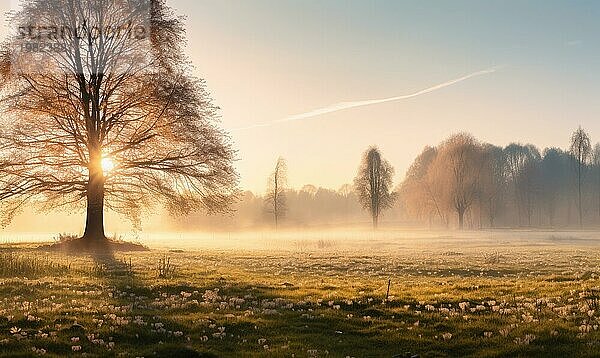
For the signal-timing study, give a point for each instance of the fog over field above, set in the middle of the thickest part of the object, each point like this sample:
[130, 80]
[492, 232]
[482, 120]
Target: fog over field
[354, 241]
[299, 178]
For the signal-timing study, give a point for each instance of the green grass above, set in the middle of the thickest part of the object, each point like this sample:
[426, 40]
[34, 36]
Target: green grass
[472, 302]
[16, 264]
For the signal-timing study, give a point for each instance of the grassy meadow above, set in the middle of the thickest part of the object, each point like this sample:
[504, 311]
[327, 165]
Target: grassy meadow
[480, 295]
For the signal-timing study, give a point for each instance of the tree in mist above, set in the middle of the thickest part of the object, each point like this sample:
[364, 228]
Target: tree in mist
[529, 187]
[309, 189]
[373, 184]
[275, 198]
[421, 196]
[113, 120]
[596, 169]
[346, 192]
[514, 185]
[581, 150]
[324, 207]
[458, 164]
[520, 165]
[493, 181]
[554, 178]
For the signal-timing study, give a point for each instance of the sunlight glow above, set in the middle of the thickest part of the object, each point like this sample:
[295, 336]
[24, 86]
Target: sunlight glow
[107, 165]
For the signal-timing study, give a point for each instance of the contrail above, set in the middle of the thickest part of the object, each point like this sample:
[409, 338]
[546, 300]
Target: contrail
[347, 105]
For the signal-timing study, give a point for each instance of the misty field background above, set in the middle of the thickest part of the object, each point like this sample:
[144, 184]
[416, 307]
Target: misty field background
[315, 294]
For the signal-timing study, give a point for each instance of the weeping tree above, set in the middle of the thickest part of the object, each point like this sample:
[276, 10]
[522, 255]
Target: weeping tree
[275, 199]
[100, 110]
[373, 184]
[581, 150]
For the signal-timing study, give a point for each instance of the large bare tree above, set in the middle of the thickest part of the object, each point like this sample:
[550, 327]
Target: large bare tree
[101, 110]
[275, 199]
[581, 150]
[373, 184]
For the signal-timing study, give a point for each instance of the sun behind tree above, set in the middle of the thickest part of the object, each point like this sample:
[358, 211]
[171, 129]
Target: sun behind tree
[107, 165]
[109, 116]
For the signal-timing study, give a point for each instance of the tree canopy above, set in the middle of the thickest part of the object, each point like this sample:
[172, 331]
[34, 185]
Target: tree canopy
[114, 88]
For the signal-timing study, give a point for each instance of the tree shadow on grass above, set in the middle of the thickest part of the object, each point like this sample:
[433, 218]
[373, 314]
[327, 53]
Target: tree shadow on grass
[128, 317]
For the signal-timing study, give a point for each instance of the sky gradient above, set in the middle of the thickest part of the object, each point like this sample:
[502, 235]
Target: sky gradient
[267, 60]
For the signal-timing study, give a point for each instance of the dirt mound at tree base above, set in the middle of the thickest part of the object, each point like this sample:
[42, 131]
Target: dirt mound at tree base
[86, 245]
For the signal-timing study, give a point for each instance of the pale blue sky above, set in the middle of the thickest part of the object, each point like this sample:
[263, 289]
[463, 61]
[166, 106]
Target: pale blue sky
[266, 60]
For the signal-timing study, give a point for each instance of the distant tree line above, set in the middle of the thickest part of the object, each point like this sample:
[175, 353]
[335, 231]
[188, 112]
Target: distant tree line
[307, 206]
[460, 183]
[371, 194]
[464, 182]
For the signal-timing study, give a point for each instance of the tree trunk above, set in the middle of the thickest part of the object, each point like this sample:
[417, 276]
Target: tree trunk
[94, 224]
[375, 221]
[579, 189]
[480, 214]
[461, 219]
[529, 208]
[491, 214]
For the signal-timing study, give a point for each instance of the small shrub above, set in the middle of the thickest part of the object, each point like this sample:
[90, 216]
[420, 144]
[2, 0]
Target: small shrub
[64, 237]
[165, 268]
